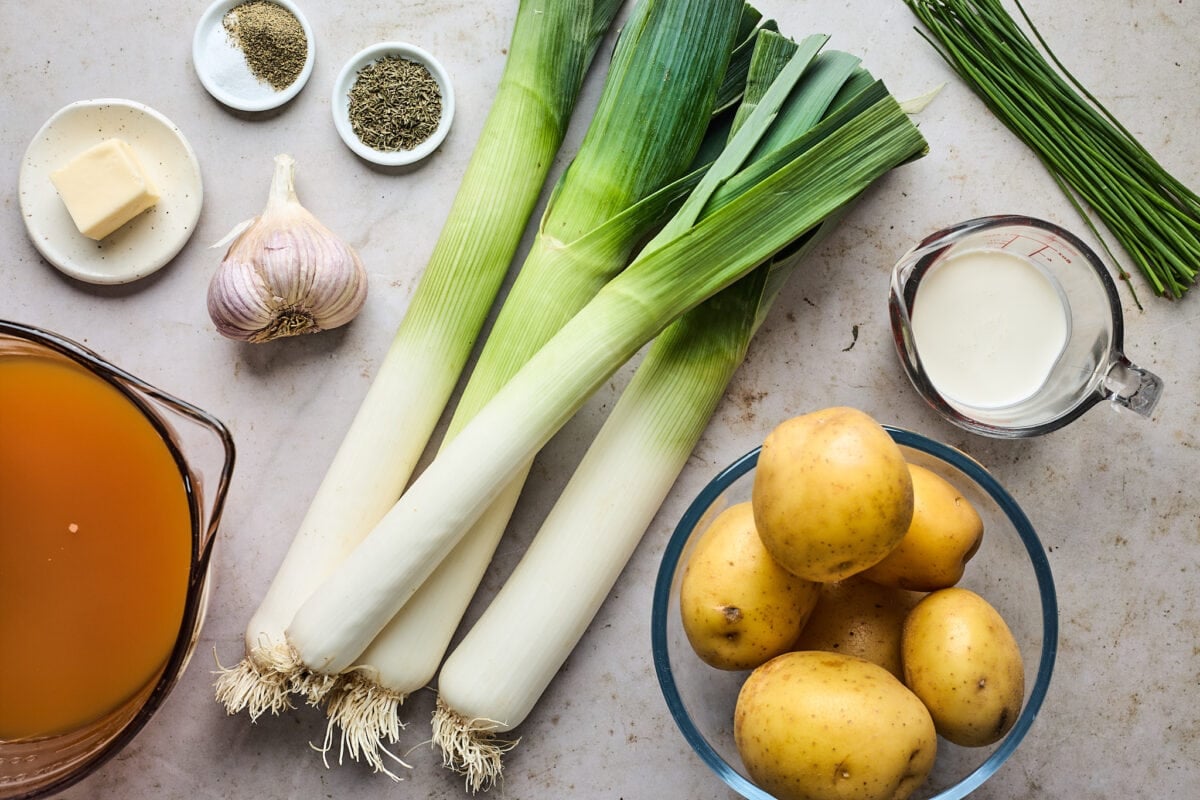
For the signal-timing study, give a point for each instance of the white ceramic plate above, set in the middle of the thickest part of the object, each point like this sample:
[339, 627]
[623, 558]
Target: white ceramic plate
[145, 243]
[222, 68]
[341, 103]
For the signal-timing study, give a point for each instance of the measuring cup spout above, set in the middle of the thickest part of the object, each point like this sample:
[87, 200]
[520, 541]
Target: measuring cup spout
[1129, 386]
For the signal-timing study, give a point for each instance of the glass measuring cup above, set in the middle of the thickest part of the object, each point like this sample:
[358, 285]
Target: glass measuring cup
[1090, 365]
[203, 451]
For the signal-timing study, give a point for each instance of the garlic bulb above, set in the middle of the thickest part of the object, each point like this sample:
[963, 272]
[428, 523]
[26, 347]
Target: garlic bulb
[285, 273]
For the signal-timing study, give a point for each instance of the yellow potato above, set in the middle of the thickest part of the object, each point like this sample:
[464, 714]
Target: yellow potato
[812, 725]
[945, 533]
[832, 494]
[858, 618]
[962, 660]
[739, 607]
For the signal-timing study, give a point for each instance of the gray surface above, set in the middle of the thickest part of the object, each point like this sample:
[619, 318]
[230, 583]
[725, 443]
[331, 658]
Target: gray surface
[1111, 495]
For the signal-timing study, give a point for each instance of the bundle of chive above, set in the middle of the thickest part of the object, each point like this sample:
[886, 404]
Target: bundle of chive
[1090, 154]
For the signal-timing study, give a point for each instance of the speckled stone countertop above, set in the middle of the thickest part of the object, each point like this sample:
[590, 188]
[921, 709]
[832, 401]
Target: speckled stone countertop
[1111, 495]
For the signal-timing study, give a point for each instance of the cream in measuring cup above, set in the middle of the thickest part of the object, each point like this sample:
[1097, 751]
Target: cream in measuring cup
[989, 326]
[1010, 326]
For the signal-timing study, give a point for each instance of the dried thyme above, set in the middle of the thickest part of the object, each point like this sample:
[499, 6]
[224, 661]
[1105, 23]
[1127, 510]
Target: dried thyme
[271, 38]
[395, 104]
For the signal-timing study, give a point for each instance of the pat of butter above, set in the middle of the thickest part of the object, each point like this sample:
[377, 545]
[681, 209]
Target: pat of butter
[104, 187]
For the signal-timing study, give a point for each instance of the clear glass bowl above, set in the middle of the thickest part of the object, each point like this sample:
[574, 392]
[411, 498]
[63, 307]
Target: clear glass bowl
[1010, 570]
[204, 453]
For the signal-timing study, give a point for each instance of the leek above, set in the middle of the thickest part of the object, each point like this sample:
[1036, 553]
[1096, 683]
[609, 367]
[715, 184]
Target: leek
[551, 48]
[494, 677]
[755, 212]
[622, 182]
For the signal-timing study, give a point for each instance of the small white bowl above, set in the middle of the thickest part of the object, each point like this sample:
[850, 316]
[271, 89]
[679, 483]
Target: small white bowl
[341, 103]
[222, 68]
[145, 243]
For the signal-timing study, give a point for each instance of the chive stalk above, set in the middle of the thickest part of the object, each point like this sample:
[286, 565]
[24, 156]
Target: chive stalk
[1097, 163]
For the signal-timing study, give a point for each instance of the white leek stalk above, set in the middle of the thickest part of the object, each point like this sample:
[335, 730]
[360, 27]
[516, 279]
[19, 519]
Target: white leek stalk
[619, 186]
[551, 48]
[755, 213]
[495, 676]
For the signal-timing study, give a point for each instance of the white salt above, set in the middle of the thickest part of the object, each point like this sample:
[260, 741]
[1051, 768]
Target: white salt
[225, 64]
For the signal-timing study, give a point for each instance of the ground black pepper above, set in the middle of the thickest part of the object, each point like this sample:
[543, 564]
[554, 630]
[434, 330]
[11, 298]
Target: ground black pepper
[271, 38]
[395, 104]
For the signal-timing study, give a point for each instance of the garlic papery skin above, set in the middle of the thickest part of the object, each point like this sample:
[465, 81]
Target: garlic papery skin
[285, 273]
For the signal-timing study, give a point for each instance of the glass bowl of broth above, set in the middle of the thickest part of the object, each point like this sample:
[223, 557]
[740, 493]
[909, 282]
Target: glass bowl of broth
[112, 491]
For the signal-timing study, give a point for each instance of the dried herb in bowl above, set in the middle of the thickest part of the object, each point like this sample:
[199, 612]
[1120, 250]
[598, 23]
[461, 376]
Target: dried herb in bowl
[395, 104]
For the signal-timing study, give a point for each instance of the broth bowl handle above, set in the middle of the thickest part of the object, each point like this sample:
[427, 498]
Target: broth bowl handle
[208, 449]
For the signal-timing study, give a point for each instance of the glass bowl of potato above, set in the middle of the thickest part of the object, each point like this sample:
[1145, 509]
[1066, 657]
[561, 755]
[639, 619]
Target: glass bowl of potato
[720, 647]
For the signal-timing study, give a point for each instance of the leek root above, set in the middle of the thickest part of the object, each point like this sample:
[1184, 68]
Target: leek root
[369, 714]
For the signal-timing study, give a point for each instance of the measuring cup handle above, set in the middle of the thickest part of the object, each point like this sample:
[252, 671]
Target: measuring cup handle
[210, 453]
[1129, 386]
[206, 446]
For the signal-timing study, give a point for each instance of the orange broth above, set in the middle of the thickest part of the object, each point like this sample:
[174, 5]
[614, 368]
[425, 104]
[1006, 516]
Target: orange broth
[95, 547]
